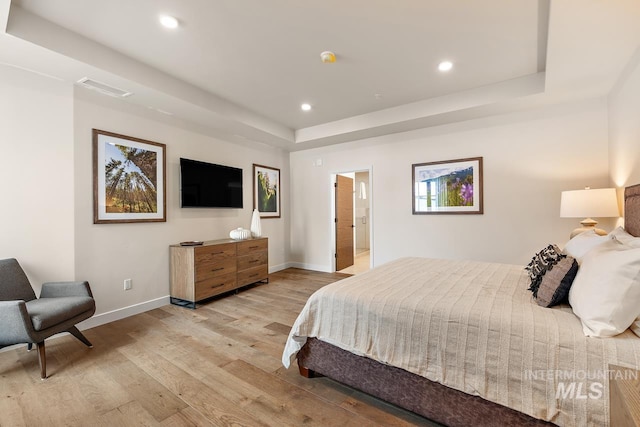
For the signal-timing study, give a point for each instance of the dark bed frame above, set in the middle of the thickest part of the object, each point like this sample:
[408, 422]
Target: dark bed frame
[418, 394]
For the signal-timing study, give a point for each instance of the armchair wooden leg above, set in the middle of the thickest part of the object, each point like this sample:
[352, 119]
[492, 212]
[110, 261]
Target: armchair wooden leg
[42, 359]
[76, 333]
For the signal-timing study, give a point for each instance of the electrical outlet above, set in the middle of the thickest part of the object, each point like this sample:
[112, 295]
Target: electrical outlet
[127, 284]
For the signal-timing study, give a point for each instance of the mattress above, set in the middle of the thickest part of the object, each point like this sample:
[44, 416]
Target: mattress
[474, 327]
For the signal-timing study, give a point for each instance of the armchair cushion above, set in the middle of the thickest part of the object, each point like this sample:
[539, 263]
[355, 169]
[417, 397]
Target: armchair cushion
[48, 312]
[65, 289]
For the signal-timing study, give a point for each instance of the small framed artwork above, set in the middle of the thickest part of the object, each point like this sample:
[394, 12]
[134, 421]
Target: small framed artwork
[448, 187]
[266, 191]
[129, 181]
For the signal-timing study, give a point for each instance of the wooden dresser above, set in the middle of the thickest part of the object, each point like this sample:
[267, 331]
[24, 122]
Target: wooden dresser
[216, 267]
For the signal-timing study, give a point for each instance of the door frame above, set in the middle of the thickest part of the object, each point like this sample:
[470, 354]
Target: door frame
[332, 214]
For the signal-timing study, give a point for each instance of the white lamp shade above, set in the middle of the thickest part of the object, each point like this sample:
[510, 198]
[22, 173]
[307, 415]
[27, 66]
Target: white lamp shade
[597, 203]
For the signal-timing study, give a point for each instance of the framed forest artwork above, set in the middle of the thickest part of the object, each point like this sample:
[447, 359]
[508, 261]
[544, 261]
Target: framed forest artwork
[129, 179]
[266, 191]
[448, 187]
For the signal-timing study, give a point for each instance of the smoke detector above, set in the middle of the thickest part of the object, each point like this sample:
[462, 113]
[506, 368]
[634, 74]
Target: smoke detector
[328, 57]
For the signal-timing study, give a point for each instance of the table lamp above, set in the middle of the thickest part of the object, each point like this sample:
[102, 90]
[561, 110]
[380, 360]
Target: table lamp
[587, 203]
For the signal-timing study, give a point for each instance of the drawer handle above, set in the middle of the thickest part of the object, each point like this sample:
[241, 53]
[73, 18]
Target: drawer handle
[217, 253]
[253, 260]
[218, 269]
[217, 286]
[254, 275]
[254, 247]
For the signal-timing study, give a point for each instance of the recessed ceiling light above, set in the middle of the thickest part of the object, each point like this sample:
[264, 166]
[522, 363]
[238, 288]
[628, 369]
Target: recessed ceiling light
[168, 21]
[305, 107]
[445, 66]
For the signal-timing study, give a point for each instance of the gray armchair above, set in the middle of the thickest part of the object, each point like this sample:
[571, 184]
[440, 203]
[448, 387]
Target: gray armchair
[27, 319]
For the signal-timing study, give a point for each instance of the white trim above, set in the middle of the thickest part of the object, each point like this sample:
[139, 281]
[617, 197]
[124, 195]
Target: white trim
[279, 267]
[371, 218]
[121, 313]
[332, 218]
[312, 267]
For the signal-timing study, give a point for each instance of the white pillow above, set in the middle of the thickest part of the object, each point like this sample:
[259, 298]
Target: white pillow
[605, 294]
[583, 243]
[621, 235]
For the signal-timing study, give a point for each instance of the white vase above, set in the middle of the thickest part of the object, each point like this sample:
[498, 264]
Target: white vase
[240, 234]
[256, 228]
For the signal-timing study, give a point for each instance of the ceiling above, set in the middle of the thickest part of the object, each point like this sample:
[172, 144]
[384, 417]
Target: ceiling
[240, 69]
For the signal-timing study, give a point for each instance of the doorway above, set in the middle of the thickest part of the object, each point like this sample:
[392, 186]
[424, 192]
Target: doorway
[352, 221]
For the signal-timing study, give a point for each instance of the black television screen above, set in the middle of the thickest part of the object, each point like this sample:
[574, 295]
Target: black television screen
[205, 185]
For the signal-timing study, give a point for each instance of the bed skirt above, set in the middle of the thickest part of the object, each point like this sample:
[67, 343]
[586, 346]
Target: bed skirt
[406, 390]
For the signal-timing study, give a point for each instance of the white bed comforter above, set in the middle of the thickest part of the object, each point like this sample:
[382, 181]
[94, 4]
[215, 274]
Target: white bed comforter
[474, 327]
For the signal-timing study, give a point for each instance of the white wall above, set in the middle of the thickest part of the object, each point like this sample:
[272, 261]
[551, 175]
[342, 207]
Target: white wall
[106, 254]
[624, 126]
[46, 195]
[46, 190]
[529, 158]
[36, 175]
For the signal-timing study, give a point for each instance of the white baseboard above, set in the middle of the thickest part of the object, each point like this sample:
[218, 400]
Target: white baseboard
[314, 267]
[279, 267]
[121, 313]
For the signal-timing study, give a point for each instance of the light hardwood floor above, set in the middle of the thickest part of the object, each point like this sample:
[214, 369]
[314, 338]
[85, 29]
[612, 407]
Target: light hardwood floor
[218, 365]
[361, 263]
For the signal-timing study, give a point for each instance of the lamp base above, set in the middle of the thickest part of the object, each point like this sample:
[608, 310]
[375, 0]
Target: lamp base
[587, 225]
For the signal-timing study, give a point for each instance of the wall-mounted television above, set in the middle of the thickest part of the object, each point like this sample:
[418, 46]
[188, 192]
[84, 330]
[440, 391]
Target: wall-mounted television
[207, 185]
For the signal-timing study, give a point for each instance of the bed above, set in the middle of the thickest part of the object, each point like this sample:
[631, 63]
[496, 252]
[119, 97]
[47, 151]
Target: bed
[462, 343]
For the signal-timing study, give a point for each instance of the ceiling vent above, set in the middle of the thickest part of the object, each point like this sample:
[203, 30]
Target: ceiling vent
[103, 88]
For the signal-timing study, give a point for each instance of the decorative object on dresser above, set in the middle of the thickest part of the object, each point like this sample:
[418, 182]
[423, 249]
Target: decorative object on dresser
[129, 182]
[597, 202]
[216, 267]
[192, 243]
[240, 234]
[256, 227]
[266, 191]
[447, 187]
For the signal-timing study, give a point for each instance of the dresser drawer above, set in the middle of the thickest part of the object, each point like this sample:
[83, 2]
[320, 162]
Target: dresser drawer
[215, 268]
[253, 275]
[214, 286]
[252, 260]
[212, 253]
[249, 246]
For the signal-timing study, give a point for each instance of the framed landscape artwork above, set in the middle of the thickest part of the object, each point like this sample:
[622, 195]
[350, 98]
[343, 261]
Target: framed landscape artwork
[266, 191]
[129, 183]
[448, 187]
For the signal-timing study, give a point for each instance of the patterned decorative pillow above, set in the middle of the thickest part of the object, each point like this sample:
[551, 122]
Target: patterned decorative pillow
[540, 263]
[556, 282]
